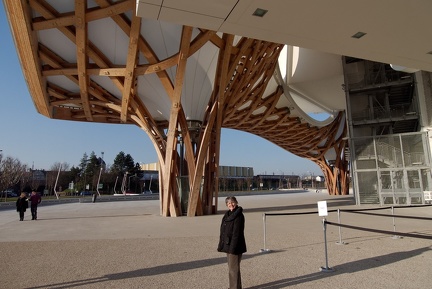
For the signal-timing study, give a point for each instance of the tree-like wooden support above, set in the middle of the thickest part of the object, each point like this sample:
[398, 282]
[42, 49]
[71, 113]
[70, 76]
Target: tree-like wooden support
[244, 69]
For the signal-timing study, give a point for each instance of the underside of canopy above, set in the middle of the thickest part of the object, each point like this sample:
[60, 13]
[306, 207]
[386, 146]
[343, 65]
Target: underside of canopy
[96, 61]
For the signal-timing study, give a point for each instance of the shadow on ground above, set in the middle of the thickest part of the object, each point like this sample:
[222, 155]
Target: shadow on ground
[347, 268]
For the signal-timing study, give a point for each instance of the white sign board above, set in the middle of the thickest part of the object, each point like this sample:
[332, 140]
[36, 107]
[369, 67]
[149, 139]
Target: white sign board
[322, 208]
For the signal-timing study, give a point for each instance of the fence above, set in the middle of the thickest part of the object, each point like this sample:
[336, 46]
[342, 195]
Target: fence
[393, 232]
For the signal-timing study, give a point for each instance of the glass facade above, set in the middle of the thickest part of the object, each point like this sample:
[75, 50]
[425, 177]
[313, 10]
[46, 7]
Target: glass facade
[392, 169]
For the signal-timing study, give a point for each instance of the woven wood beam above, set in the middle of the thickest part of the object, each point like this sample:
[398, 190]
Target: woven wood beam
[54, 61]
[81, 46]
[131, 61]
[92, 52]
[173, 123]
[194, 196]
[144, 48]
[222, 82]
[116, 8]
[27, 47]
[207, 159]
[189, 151]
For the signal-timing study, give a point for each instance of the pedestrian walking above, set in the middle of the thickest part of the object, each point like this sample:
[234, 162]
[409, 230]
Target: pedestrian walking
[22, 205]
[35, 199]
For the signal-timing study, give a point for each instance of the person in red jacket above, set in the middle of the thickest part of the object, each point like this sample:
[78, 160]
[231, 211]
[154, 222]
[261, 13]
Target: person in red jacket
[35, 199]
[232, 240]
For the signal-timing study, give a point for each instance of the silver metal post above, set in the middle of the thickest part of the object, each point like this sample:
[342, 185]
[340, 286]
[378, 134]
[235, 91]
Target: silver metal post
[340, 233]
[264, 250]
[97, 188]
[55, 185]
[394, 226]
[326, 268]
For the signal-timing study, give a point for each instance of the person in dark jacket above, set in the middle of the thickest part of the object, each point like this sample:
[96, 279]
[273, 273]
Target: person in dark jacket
[22, 205]
[35, 200]
[232, 240]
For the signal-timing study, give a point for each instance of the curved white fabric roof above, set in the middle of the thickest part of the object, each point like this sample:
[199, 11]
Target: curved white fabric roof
[312, 85]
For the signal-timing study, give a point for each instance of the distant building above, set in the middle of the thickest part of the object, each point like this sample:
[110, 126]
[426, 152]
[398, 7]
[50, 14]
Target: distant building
[234, 178]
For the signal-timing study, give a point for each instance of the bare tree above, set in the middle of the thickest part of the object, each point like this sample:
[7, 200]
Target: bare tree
[25, 180]
[12, 171]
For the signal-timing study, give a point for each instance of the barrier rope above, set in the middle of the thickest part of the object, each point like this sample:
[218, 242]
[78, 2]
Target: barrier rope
[386, 215]
[291, 214]
[359, 211]
[395, 234]
[380, 231]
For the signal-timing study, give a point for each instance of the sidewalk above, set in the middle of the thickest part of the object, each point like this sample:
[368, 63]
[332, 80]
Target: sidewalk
[127, 244]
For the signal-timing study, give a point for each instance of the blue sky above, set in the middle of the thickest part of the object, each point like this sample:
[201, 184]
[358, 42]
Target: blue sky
[40, 142]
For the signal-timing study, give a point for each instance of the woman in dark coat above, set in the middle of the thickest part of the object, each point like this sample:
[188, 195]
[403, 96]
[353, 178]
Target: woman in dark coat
[22, 205]
[232, 240]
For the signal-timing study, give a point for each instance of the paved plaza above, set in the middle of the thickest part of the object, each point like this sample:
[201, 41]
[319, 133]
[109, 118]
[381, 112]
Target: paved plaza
[127, 244]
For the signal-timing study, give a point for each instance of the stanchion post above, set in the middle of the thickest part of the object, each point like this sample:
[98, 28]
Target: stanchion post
[394, 226]
[326, 268]
[340, 233]
[264, 250]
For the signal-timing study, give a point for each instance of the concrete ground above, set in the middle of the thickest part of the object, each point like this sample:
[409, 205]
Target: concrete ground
[127, 244]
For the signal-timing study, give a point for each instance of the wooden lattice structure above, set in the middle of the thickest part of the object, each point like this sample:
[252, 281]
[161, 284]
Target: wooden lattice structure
[240, 98]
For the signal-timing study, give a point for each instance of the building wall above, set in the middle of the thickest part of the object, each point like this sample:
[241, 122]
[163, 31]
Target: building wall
[389, 121]
[424, 91]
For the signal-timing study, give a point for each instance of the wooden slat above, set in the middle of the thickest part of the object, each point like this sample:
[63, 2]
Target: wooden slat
[130, 66]
[26, 44]
[92, 52]
[173, 121]
[62, 21]
[144, 48]
[81, 46]
[222, 73]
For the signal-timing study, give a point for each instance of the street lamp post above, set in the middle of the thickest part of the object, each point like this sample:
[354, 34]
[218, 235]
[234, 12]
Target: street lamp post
[151, 178]
[100, 173]
[312, 179]
[129, 181]
[123, 185]
[311, 175]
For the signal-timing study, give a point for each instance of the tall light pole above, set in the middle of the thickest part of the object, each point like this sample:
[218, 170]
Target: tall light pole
[55, 185]
[100, 173]
[123, 185]
[129, 181]
[311, 178]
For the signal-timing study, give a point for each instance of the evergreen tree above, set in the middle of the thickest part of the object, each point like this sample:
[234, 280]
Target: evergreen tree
[81, 185]
[93, 164]
[83, 163]
[123, 163]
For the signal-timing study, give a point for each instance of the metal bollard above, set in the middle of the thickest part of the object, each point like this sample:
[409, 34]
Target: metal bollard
[340, 233]
[326, 268]
[264, 250]
[394, 226]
